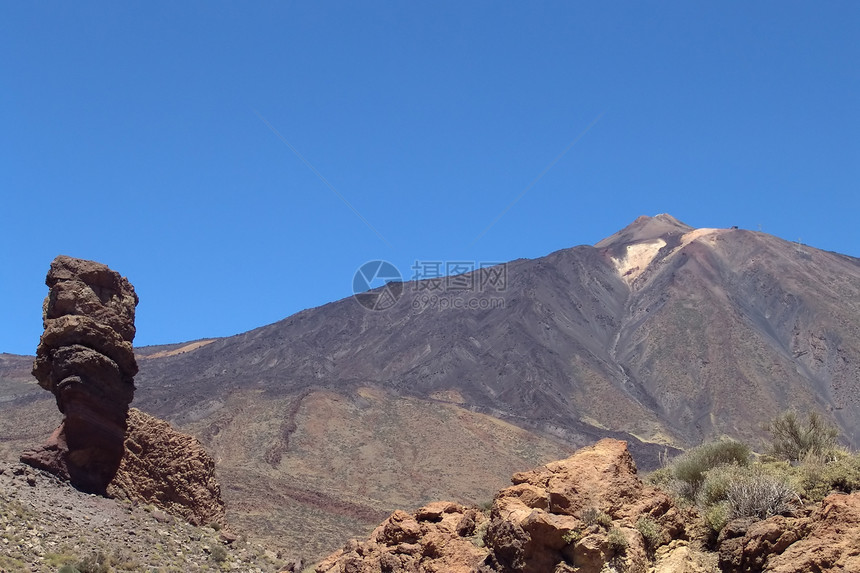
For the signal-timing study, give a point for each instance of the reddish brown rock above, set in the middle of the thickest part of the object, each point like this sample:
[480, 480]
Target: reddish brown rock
[439, 537]
[85, 359]
[561, 514]
[577, 515]
[168, 469]
[826, 540]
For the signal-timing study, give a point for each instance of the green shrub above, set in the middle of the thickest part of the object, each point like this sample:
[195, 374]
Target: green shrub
[690, 467]
[593, 516]
[816, 477]
[59, 559]
[572, 536]
[617, 541]
[219, 553]
[651, 532]
[793, 440]
[717, 516]
[660, 477]
[730, 491]
[68, 568]
[716, 483]
[486, 506]
[95, 563]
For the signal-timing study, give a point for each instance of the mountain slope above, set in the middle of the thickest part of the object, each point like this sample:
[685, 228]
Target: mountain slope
[660, 331]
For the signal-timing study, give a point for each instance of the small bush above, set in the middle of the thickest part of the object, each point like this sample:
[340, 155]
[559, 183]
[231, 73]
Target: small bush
[758, 494]
[95, 563]
[817, 477]
[593, 516]
[617, 541]
[219, 554]
[716, 483]
[729, 492]
[486, 506]
[59, 559]
[650, 531]
[660, 477]
[717, 516]
[690, 467]
[792, 439]
[604, 521]
[572, 536]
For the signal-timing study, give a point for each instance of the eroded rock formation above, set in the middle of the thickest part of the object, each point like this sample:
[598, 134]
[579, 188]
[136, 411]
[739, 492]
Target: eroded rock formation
[825, 539]
[578, 514]
[168, 469]
[584, 511]
[85, 359]
[440, 537]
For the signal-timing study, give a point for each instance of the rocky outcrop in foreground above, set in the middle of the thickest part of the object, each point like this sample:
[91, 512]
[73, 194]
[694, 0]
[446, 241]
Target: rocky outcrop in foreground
[590, 513]
[442, 536]
[85, 359]
[578, 514]
[825, 539]
[168, 469]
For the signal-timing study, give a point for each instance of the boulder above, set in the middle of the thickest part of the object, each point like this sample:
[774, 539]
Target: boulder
[168, 469]
[440, 537]
[580, 512]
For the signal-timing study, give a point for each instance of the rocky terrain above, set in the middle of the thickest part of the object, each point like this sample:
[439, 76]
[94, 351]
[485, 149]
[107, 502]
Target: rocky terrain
[46, 524]
[824, 538]
[581, 512]
[591, 513]
[662, 335]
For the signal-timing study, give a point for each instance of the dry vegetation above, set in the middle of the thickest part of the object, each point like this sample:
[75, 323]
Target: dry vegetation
[725, 481]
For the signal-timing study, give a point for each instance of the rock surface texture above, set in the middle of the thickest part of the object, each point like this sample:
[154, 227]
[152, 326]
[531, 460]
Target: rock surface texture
[168, 469]
[85, 359]
[579, 515]
[440, 537]
[825, 540]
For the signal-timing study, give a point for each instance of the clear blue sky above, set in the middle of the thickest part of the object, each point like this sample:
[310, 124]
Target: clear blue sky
[137, 134]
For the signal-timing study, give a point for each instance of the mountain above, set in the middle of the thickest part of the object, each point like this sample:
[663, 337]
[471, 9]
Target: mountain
[660, 334]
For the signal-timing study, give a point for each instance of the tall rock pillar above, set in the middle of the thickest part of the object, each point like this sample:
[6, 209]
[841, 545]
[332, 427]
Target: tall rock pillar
[85, 359]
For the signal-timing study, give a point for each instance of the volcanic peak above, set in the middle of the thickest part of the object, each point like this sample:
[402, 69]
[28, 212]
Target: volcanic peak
[645, 229]
[634, 248]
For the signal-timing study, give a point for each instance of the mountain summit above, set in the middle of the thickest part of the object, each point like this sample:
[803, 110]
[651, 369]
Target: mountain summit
[645, 229]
